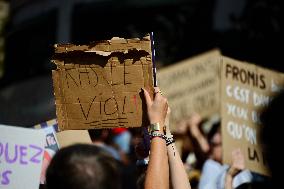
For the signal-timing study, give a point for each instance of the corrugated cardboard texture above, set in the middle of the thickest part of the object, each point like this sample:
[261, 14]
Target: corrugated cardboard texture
[99, 85]
[245, 90]
[67, 138]
[192, 85]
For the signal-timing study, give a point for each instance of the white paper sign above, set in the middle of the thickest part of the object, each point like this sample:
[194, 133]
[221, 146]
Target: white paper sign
[21, 155]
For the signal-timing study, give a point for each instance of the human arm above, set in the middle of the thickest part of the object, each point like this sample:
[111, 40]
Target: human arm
[178, 175]
[199, 141]
[195, 133]
[157, 175]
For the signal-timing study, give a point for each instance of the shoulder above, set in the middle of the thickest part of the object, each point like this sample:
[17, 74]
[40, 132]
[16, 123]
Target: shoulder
[211, 164]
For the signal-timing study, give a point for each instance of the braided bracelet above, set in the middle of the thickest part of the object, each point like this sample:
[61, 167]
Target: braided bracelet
[152, 135]
[169, 140]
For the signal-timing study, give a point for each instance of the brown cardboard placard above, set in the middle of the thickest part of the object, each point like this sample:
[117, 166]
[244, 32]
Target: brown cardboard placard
[58, 139]
[192, 85]
[70, 137]
[245, 90]
[99, 85]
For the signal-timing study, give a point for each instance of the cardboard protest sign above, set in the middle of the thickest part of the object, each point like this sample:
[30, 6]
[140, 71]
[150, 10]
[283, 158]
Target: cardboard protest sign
[51, 144]
[245, 90]
[21, 155]
[99, 85]
[70, 137]
[56, 139]
[192, 85]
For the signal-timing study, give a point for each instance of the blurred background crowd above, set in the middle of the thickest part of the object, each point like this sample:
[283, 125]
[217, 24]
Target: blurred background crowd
[247, 30]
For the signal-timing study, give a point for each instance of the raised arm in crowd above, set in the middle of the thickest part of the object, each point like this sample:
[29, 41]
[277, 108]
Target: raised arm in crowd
[165, 163]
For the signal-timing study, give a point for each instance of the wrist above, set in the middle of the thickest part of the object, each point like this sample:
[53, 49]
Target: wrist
[156, 127]
[157, 119]
[168, 140]
[228, 180]
[169, 134]
[231, 172]
[161, 124]
[157, 134]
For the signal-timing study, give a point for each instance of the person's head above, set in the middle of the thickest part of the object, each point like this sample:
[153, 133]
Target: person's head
[83, 166]
[254, 185]
[272, 121]
[101, 135]
[215, 141]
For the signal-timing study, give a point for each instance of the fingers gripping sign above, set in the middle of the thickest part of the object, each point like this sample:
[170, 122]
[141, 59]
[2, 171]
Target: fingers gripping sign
[238, 162]
[156, 108]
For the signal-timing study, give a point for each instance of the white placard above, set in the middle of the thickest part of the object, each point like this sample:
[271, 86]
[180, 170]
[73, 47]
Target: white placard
[21, 155]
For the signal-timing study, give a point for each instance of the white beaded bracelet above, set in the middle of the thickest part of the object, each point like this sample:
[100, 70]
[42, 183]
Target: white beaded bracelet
[169, 140]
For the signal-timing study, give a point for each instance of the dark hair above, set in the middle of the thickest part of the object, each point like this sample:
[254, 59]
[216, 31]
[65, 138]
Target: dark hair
[141, 181]
[101, 134]
[272, 120]
[215, 129]
[83, 166]
[254, 185]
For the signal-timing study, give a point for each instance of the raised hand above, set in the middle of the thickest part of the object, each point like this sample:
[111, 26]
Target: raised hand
[157, 108]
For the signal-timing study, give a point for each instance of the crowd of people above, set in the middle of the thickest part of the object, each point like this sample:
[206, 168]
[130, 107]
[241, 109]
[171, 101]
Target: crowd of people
[124, 158]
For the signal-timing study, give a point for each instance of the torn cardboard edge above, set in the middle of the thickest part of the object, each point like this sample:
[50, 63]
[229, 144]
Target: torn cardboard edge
[106, 47]
[99, 53]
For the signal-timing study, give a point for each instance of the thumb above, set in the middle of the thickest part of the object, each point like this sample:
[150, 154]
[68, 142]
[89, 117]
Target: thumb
[147, 98]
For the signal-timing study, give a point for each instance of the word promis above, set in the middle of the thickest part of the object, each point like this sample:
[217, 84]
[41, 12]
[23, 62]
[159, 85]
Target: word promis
[245, 76]
[237, 131]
